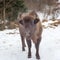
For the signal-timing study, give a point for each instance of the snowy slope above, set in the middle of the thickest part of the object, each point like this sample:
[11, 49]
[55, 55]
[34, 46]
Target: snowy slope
[10, 45]
[41, 16]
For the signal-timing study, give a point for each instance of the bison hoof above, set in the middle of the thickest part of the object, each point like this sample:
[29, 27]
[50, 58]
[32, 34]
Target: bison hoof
[23, 49]
[29, 56]
[37, 57]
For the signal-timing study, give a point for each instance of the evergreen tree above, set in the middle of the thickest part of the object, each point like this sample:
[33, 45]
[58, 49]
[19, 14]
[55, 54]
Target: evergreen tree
[10, 8]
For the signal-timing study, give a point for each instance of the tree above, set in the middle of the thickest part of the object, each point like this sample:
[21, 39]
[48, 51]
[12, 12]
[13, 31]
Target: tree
[45, 6]
[10, 8]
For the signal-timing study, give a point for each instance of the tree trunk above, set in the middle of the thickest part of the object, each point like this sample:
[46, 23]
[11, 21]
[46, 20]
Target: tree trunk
[4, 12]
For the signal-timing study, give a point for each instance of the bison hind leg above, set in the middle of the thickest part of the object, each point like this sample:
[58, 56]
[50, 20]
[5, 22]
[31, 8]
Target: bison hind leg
[37, 48]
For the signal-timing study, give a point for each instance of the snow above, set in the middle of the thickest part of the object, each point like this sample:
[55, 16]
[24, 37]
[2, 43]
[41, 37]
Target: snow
[58, 17]
[50, 45]
[49, 17]
[48, 23]
[58, 0]
[10, 45]
[40, 15]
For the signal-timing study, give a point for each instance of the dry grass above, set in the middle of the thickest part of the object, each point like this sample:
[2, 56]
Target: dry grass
[55, 23]
[44, 20]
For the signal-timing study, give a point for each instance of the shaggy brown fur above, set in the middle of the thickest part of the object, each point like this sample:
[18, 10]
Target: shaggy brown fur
[30, 28]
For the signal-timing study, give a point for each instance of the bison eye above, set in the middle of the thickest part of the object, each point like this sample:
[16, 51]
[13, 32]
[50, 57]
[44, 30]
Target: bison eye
[36, 21]
[21, 22]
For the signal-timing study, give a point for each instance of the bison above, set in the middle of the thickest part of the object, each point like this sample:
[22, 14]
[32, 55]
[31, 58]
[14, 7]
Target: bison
[30, 29]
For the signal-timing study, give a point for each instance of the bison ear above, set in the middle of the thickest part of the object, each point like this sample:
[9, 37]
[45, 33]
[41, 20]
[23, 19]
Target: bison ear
[36, 21]
[21, 22]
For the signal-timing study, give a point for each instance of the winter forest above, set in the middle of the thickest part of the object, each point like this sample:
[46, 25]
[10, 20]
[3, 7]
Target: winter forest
[48, 12]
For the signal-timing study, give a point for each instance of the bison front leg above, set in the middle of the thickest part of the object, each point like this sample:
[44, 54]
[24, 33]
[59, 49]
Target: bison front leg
[23, 43]
[37, 48]
[29, 48]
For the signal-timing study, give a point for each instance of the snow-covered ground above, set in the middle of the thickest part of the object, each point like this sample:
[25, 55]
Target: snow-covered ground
[10, 45]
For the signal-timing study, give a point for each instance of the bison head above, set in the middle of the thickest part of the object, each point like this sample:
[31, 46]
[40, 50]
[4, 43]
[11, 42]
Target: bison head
[29, 23]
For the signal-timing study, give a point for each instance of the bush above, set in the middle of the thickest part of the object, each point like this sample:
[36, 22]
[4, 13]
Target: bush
[2, 27]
